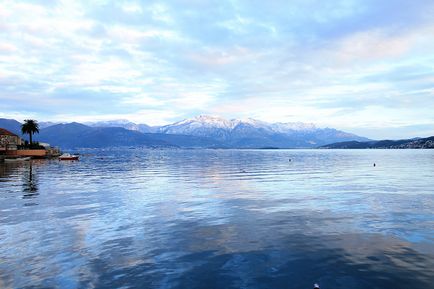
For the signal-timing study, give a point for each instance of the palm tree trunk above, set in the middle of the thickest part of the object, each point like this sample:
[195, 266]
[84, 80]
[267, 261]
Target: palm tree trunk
[30, 134]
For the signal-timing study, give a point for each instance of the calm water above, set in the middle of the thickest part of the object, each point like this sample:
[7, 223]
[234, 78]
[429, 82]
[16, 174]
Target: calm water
[220, 219]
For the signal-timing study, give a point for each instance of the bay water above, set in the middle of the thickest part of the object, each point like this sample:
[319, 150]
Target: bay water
[151, 218]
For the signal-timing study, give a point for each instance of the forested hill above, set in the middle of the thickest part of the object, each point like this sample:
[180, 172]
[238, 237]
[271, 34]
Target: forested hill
[419, 143]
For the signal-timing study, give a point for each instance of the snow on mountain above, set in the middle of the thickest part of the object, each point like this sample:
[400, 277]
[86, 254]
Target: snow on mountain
[122, 123]
[204, 122]
[292, 126]
[114, 123]
[211, 131]
[204, 126]
[251, 122]
[45, 124]
[255, 133]
[243, 133]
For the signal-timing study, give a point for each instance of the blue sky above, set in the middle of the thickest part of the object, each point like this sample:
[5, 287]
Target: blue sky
[364, 66]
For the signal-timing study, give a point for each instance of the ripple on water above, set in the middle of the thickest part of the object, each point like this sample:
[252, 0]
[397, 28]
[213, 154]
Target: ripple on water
[219, 219]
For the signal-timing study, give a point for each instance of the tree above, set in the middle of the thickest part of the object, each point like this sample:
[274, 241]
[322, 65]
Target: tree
[30, 127]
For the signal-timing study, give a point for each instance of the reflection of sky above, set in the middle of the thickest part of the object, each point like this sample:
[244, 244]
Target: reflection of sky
[162, 219]
[359, 65]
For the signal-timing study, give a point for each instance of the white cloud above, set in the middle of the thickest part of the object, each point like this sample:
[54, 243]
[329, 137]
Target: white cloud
[165, 60]
[146, 116]
[132, 7]
[142, 99]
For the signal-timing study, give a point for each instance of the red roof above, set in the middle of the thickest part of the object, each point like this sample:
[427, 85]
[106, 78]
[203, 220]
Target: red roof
[6, 132]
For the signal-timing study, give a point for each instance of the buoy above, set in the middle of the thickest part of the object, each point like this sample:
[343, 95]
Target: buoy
[374, 164]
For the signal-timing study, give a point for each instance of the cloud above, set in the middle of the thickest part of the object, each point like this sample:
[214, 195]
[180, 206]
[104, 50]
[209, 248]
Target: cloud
[344, 63]
[147, 116]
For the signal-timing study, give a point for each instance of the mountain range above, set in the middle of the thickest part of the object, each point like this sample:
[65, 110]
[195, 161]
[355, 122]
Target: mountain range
[251, 133]
[144, 128]
[199, 132]
[417, 143]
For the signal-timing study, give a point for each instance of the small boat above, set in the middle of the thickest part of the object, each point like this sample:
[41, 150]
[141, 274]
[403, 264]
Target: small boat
[17, 160]
[68, 157]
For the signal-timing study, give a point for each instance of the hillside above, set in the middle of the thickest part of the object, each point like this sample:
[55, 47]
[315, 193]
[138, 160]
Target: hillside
[420, 143]
[74, 135]
[11, 125]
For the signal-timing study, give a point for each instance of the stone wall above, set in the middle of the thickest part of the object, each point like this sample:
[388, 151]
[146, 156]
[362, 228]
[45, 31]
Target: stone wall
[9, 141]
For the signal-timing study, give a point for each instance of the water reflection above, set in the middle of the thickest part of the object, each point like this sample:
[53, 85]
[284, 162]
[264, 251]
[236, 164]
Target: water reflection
[220, 219]
[294, 263]
[11, 174]
[8, 170]
[30, 183]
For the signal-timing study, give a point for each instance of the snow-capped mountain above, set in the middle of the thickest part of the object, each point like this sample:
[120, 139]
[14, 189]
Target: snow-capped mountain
[244, 133]
[255, 133]
[292, 126]
[199, 132]
[124, 124]
[207, 126]
[203, 121]
[45, 124]
[197, 124]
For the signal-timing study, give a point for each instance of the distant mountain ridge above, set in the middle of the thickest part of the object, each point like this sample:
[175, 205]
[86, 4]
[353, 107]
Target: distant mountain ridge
[416, 143]
[244, 133]
[77, 135]
[199, 132]
[73, 135]
[124, 124]
[251, 133]
[192, 125]
[11, 125]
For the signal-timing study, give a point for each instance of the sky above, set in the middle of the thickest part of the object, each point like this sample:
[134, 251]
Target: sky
[363, 66]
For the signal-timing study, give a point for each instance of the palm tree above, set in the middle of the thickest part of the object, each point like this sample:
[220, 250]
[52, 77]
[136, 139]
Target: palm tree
[30, 127]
